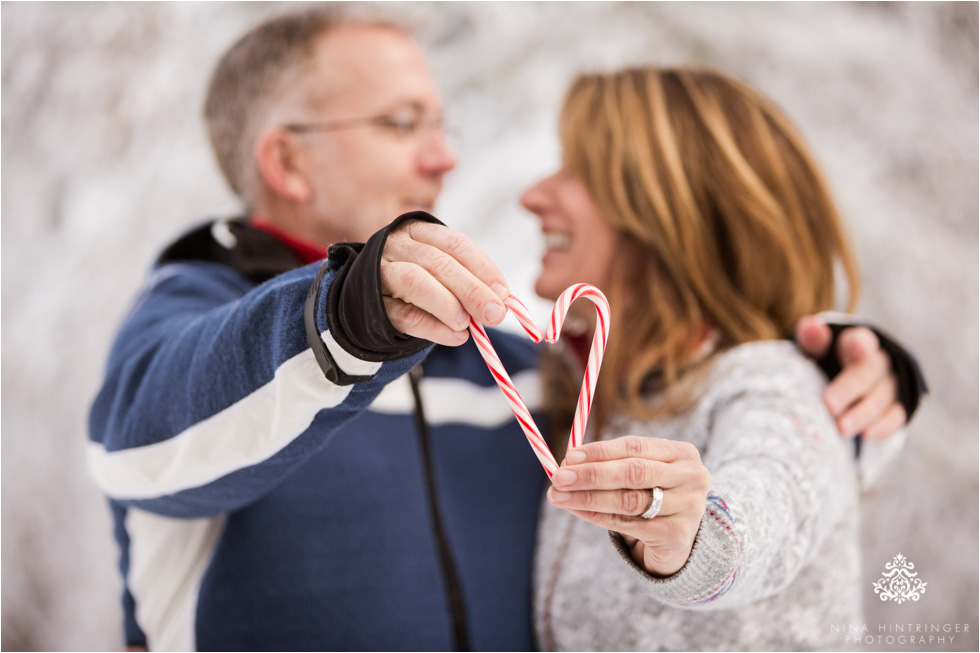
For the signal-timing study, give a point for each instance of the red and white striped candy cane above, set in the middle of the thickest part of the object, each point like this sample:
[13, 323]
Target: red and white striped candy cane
[595, 354]
[534, 437]
[521, 412]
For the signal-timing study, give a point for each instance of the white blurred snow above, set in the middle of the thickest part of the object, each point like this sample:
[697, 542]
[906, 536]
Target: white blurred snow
[105, 158]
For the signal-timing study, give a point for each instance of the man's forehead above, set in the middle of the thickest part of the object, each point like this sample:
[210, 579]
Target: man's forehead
[375, 65]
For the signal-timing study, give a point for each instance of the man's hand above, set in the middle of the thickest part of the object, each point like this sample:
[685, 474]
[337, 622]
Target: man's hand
[434, 279]
[863, 397]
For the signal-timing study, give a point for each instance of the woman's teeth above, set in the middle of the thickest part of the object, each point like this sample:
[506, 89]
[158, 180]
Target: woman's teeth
[557, 241]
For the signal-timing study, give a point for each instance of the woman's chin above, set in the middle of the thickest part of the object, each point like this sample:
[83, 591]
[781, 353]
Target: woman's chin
[548, 289]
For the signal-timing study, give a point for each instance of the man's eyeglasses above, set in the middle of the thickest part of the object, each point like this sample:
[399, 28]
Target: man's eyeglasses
[404, 124]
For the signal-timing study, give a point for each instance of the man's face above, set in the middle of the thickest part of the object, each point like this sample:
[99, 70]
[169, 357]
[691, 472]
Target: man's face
[366, 175]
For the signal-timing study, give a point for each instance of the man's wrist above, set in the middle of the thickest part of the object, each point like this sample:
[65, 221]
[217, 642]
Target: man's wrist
[353, 309]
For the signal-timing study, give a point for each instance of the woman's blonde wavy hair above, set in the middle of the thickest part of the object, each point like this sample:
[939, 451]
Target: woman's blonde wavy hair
[725, 220]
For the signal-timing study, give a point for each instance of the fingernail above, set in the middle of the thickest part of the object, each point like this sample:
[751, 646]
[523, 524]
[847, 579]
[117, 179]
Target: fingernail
[846, 427]
[463, 319]
[460, 336]
[493, 313]
[565, 477]
[500, 290]
[558, 496]
[575, 457]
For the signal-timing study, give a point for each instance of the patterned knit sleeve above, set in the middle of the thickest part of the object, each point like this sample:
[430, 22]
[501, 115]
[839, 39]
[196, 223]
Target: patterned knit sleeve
[782, 477]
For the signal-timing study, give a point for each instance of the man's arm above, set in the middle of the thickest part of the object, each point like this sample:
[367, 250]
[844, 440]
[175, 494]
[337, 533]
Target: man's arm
[212, 385]
[210, 392]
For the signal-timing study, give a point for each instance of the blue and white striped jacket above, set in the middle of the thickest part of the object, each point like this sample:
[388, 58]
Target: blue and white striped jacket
[258, 506]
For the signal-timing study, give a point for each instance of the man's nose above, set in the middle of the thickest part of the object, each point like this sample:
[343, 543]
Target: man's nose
[436, 156]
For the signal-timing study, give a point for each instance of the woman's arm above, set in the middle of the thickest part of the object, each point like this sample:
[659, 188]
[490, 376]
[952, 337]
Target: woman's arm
[780, 478]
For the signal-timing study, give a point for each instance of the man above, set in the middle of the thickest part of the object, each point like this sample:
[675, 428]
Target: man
[290, 463]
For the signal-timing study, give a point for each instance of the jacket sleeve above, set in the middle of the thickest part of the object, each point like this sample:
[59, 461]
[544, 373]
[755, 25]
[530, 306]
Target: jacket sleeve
[782, 480]
[211, 389]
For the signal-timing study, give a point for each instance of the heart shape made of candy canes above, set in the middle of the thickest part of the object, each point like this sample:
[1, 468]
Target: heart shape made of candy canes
[521, 412]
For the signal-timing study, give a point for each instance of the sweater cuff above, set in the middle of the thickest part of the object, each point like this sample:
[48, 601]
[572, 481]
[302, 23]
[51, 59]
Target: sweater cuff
[711, 569]
[359, 336]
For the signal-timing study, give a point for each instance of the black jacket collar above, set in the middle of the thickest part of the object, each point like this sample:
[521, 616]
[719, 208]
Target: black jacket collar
[254, 254]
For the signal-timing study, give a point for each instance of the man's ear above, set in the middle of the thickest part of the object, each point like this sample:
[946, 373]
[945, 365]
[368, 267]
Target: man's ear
[281, 165]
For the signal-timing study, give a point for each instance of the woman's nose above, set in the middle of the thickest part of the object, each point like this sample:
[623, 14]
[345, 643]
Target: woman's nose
[535, 198]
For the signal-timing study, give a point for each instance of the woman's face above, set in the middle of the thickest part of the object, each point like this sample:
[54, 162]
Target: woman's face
[579, 242]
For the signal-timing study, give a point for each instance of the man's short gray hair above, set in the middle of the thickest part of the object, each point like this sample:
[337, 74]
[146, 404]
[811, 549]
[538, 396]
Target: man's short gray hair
[256, 70]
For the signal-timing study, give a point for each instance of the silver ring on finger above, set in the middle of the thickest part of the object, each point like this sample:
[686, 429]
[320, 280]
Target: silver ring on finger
[656, 503]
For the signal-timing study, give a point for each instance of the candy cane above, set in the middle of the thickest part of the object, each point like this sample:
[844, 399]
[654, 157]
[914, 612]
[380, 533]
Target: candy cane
[595, 354]
[521, 412]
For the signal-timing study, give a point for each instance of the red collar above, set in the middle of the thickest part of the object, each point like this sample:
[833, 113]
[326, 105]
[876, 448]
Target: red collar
[581, 346]
[308, 252]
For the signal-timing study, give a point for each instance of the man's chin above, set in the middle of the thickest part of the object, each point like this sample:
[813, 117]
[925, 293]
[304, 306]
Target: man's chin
[409, 208]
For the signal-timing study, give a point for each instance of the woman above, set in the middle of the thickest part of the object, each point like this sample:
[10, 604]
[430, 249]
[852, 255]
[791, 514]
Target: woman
[730, 498]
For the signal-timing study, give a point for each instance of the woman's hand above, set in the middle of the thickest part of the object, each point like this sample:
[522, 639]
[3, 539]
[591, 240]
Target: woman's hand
[610, 484]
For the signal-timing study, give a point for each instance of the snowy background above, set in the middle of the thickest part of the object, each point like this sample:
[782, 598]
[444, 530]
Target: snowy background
[105, 158]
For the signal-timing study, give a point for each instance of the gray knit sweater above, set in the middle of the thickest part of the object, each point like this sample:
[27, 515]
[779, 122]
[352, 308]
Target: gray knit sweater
[775, 562]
